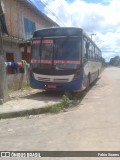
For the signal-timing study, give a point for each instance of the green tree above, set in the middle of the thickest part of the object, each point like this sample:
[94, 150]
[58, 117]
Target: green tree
[115, 61]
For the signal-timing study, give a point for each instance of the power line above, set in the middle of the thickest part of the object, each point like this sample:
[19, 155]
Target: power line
[44, 4]
[48, 2]
[51, 11]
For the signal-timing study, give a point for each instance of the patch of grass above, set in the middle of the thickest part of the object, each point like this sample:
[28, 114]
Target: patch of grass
[65, 103]
[79, 95]
[56, 108]
[10, 91]
[26, 87]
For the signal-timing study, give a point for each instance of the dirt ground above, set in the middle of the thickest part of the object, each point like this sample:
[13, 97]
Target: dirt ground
[93, 126]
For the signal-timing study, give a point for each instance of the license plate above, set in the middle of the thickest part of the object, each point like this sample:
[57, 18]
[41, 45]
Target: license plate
[51, 86]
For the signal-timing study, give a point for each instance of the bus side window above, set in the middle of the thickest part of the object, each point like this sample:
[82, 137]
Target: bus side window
[84, 49]
[91, 51]
[87, 55]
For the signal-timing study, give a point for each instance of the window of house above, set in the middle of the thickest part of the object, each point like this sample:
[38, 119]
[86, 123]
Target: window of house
[29, 28]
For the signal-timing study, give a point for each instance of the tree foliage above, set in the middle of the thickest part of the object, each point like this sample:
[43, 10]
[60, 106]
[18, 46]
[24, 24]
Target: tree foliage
[115, 61]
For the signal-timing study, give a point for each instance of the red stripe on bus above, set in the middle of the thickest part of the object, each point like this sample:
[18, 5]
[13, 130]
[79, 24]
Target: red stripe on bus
[33, 61]
[47, 41]
[36, 41]
[46, 61]
[66, 62]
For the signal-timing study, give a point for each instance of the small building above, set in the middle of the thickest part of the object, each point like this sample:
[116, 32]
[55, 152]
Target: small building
[19, 19]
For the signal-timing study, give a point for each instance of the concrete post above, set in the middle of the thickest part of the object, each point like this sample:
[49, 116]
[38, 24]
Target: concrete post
[3, 76]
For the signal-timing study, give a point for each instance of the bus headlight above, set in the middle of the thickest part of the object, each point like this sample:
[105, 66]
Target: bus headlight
[77, 75]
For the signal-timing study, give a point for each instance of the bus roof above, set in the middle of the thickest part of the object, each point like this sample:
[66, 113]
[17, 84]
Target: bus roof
[58, 31]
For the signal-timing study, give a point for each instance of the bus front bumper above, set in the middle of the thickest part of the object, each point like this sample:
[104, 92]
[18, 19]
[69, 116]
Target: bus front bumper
[72, 86]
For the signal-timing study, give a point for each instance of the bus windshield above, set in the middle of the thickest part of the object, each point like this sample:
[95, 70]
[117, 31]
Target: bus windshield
[57, 53]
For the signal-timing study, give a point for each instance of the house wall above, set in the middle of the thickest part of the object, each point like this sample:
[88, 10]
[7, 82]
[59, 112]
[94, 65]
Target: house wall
[10, 47]
[14, 80]
[15, 12]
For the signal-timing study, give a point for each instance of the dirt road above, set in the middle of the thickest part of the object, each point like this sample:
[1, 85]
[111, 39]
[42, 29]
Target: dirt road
[93, 126]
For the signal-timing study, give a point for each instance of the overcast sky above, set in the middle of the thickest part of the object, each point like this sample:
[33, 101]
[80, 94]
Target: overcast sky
[101, 17]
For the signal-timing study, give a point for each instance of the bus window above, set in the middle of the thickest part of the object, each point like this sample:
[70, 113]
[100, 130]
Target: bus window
[91, 50]
[35, 56]
[86, 49]
[67, 53]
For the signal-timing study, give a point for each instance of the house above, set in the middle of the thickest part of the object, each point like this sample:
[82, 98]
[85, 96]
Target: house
[19, 20]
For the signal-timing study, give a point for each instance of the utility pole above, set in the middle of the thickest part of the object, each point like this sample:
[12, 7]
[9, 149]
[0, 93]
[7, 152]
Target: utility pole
[91, 35]
[3, 76]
